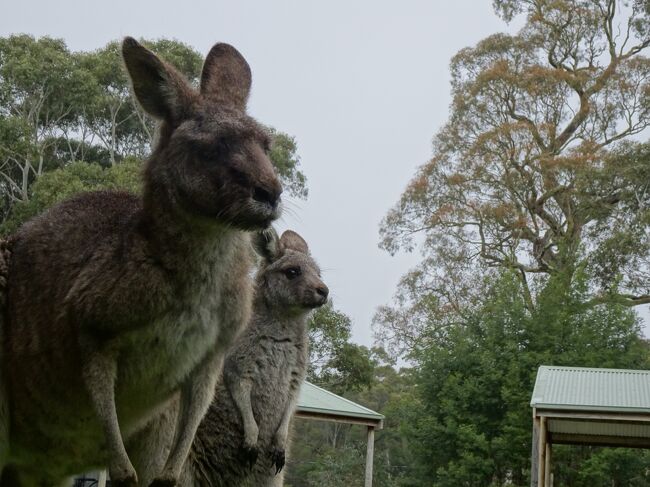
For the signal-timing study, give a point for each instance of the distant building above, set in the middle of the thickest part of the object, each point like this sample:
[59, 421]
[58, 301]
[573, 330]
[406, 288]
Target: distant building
[583, 406]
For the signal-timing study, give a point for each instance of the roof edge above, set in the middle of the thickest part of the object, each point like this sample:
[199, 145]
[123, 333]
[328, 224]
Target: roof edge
[366, 411]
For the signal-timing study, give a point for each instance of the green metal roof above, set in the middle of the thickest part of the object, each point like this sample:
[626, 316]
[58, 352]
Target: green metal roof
[586, 389]
[316, 400]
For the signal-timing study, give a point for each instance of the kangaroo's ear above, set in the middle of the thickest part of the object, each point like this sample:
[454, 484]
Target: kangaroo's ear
[267, 244]
[291, 240]
[226, 77]
[160, 89]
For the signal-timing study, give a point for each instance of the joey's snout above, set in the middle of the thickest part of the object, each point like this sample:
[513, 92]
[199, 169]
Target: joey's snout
[319, 295]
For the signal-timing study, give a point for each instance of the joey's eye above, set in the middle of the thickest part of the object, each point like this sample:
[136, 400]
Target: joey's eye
[292, 272]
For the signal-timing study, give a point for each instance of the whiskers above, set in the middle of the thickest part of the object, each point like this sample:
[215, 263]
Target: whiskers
[291, 209]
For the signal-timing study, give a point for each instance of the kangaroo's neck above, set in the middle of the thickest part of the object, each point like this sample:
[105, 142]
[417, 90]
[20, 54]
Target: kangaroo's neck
[178, 239]
[273, 321]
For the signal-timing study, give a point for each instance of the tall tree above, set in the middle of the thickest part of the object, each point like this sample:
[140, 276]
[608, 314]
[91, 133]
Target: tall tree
[336, 363]
[112, 117]
[535, 170]
[42, 89]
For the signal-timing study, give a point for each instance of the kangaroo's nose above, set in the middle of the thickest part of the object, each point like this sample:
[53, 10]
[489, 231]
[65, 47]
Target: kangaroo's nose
[270, 196]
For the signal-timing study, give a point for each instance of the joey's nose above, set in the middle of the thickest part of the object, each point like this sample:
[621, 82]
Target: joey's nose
[268, 195]
[323, 292]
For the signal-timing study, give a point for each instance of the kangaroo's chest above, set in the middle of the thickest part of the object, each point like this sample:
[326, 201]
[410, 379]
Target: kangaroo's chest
[156, 359]
[275, 365]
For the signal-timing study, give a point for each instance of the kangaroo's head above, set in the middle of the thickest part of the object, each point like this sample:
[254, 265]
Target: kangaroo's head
[211, 159]
[289, 279]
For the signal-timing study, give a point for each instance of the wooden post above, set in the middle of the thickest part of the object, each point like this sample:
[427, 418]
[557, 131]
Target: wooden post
[534, 456]
[370, 452]
[547, 467]
[101, 480]
[541, 474]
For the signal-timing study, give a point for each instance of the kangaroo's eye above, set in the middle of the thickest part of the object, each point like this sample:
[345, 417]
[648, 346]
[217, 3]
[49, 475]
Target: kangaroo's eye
[292, 272]
[222, 148]
[216, 150]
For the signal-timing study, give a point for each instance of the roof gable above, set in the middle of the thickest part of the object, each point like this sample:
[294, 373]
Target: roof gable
[588, 389]
[315, 399]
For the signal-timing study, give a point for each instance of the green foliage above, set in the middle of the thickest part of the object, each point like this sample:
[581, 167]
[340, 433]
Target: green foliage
[286, 161]
[335, 363]
[333, 467]
[78, 177]
[334, 453]
[472, 424]
[180, 55]
[42, 77]
[42, 89]
[532, 217]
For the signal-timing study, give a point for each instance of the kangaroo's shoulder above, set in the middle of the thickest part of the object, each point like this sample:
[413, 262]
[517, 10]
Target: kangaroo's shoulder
[81, 216]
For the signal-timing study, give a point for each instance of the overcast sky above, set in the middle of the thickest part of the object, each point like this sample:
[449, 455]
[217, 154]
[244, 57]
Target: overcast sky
[363, 86]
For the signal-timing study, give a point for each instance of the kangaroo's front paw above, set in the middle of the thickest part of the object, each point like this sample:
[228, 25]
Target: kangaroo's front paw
[278, 459]
[125, 481]
[248, 455]
[164, 481]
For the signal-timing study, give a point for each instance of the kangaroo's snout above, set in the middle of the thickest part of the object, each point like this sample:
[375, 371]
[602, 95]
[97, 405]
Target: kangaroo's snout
[269, 194]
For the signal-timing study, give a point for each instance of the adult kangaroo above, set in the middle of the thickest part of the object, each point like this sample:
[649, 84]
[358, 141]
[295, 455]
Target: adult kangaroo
[117, 305]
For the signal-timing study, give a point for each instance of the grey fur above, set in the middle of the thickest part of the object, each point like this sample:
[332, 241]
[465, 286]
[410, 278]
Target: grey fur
[243, 438]
[118, 306]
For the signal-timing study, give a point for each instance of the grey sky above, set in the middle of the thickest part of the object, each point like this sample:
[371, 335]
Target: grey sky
[363, 85]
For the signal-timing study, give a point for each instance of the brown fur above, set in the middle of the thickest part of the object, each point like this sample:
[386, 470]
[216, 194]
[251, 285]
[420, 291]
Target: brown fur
[117, 305]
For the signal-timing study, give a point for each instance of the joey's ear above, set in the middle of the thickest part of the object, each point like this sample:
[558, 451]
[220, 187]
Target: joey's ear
[291, 240]
[267, 244]
[226, 77]
[160, 89]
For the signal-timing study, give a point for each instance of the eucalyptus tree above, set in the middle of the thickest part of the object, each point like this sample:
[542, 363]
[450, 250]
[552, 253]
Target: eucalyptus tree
[537, 169]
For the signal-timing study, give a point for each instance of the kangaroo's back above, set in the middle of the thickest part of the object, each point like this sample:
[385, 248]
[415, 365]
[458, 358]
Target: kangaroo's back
[4, 399]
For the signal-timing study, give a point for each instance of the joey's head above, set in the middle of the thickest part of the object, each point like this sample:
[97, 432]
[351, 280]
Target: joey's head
[211, 159]
[289, 279]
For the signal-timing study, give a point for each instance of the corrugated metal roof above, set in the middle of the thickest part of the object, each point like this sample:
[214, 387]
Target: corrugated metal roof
[314, 399]
[587, 389]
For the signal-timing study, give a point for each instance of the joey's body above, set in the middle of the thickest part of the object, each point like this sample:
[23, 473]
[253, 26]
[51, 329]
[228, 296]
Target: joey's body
[119, 305]
[273, 356]
[243, 436]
